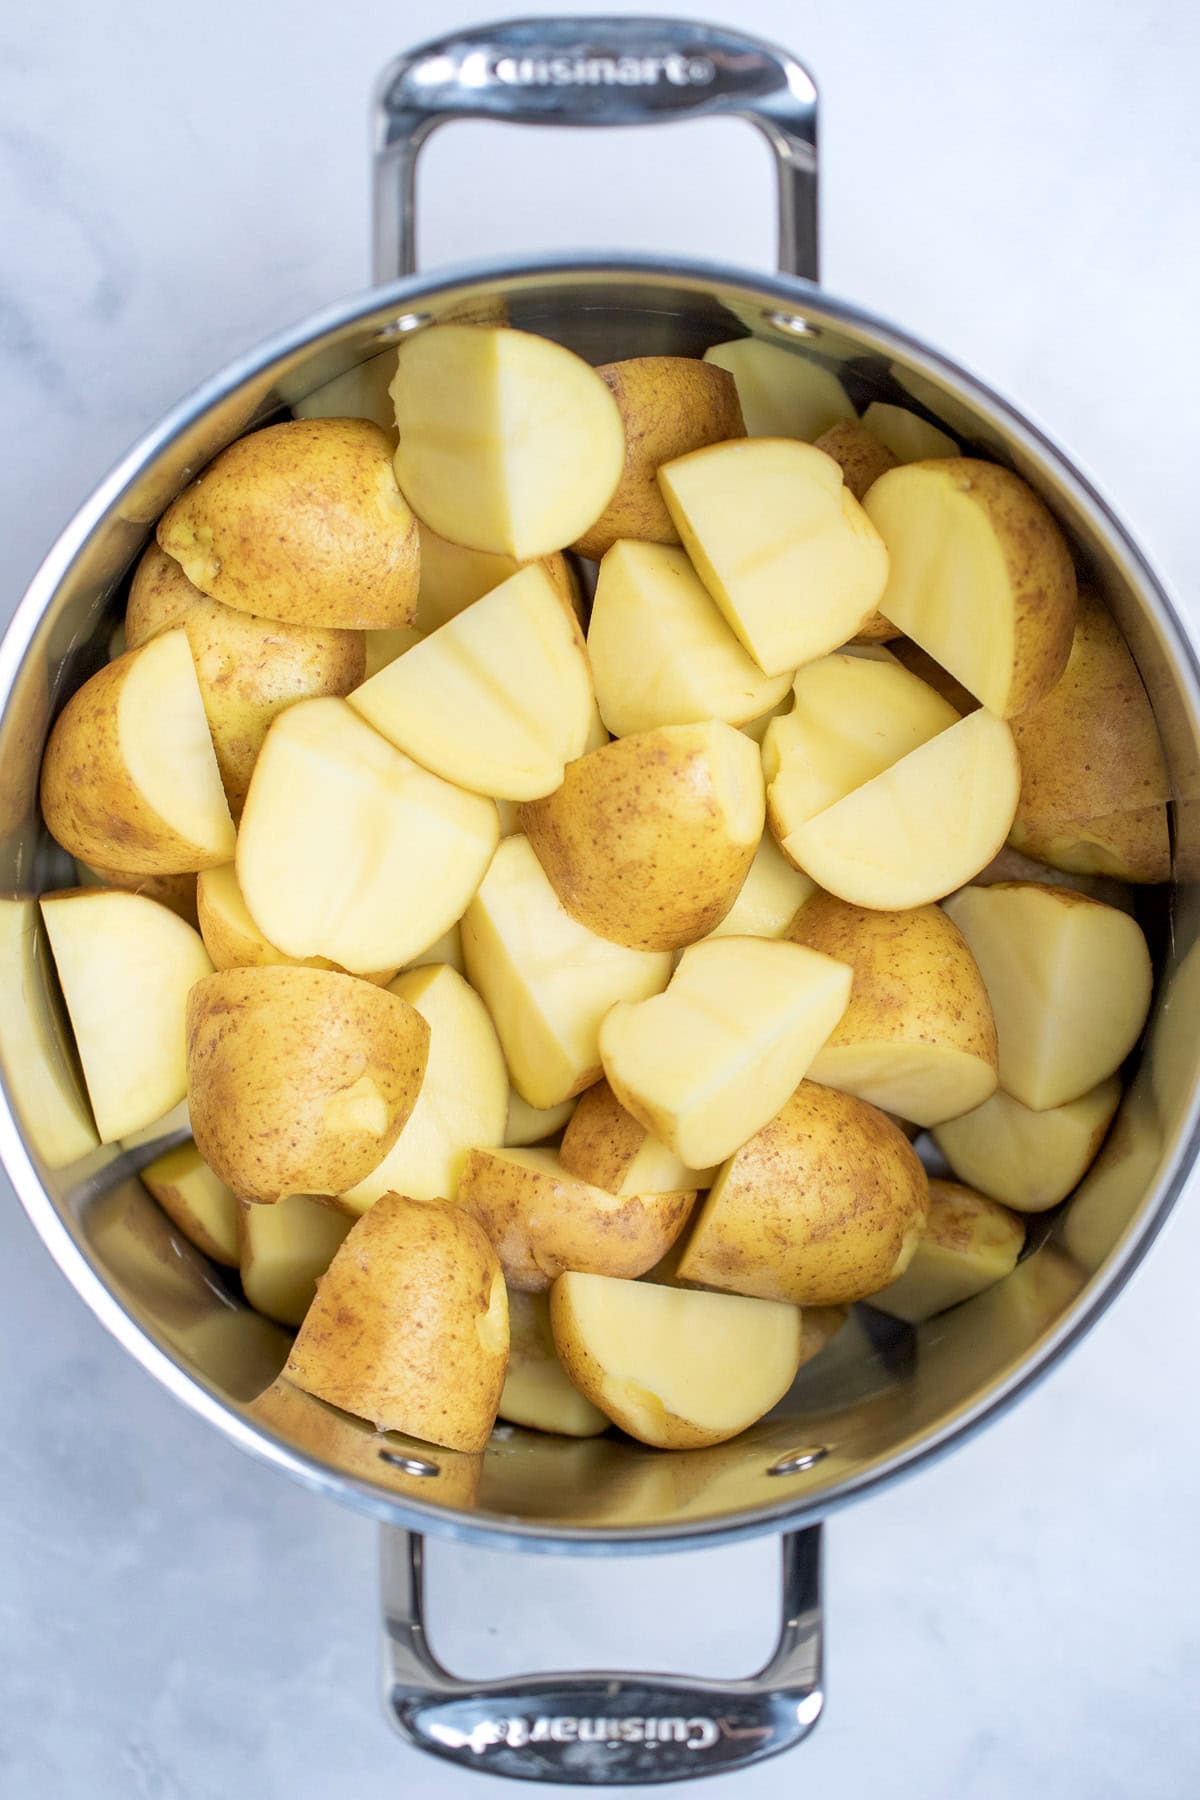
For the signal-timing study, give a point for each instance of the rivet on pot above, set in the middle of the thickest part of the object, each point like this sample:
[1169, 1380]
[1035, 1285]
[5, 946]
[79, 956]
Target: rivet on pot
[792, 322]
[409, 1465]
[796, 1461]
[402, 326]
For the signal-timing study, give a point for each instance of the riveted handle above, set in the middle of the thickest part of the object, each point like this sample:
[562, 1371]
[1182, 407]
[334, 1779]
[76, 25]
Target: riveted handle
[599, 1729]
[594, 71]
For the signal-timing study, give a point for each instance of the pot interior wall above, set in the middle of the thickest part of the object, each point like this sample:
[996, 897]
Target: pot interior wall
[883, 1390]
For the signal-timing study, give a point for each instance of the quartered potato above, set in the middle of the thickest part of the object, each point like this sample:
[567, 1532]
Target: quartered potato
[538, 1392]
[284, 1251]
[198, 1202]
[1029, 1160]
[782, 393]
[968, 1244]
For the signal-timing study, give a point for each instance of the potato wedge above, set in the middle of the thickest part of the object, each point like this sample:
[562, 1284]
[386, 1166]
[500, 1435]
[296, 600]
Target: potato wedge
[769, 898]
[409, 1328]
[543, 1220]
[453, 577]
[969, 1244]
[446, 949]
[299, 1080]
[906, 435]
[547, 980]
[361, 393]
[197, 1202]
[498, 700]
[709, 1062]
[301, 522]
[1069, 981]
[783, 547]
[675, 1369]
[248, 668]
[538, 1392]
[44, 1086]
[533, 1124]
[668, 405]
[129, 779]
[351, 851]
[660, 650]
[508, 442]
[648, 840]
[607, 1146]
[285, 1249]
[825, 1205]
[234, 941]
[918, 1038]
[980, 576]
[782, 393]
[1029, 1160]
[126, 966]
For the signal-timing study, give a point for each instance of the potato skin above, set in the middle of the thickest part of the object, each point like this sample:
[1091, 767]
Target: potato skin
[271, 1051]
[669, 405]
[602, 1138]
[301, 522]
[248, 668]
[409, 1327]
[862, 458]
[823, 1206]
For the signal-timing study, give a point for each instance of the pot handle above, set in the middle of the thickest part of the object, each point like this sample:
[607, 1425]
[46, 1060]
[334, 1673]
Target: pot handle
[597, 1729]
[594, 71]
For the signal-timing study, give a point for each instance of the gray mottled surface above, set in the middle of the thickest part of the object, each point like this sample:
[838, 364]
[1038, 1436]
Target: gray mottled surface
[1021, 186]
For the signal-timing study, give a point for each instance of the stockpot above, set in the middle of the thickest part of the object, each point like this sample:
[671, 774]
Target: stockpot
[884, 1398]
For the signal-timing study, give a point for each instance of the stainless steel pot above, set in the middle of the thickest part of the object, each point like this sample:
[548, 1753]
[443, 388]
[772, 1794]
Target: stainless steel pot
[884, 1398]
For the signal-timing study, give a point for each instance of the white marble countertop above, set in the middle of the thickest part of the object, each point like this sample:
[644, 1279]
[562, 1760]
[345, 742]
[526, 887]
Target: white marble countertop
[1022, 186]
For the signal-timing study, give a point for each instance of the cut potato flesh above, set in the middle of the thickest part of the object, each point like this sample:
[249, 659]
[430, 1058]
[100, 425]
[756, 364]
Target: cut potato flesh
[361, 393]
[463, 1100]
[785, 550]
[285, 1249]
[673, 1368]
[969, 1244]
[547, 980]
[446, 949]
[710, 1061]
[126, 965]
[508, 442]
[533, 1124]
[197, 1201]
[43, 1085]
[348, 849]
[607, 1146]
[908, 436]
[923, 827]
[768, 899]
[661, 652]
[854, 716]
[166, 743]
[921, 1082]
[980, 576]
[453, 577]
[537, 1389]
[232, 938]
[498, 699]
[1029, 1160]
[1069, 981]
[383, 647]
[782, 392]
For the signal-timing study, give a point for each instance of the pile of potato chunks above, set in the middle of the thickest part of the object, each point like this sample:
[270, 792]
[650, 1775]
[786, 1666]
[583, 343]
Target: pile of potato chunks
[553, 1015]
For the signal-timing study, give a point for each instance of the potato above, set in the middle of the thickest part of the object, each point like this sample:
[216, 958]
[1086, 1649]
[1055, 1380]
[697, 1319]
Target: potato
[533, 1124]
[361, 393]
[1029, 1160]
[547, 980]
[383, 647]
[248, 668]
[923, 827]
[129, 779]
[409, 1328]
[661, 653]
[1093, 779]
[675, 1369]
[907, 436]
[498, 699]
[782, 393]
[862, 457]
[769, 898]
[968, 1245]
[43, 1083]
[824, 1205]
[176, 891]
[537, 1390]
[234, 941]
[980, 576]
[1069, 981]
[648, 840]
[758, 728]
[348, 849]
[453, 577]
[607, 1146]
[668, 405]
[917, 1038]
[543, 1220]
[714, 1058]
[126, 965]
[446, 949]
[463, 1100]
[853, 717]
[301, 522]
[785, 550]
[1009, 865]
[298, 1080]
[284, 1251]
[508, 442]
[197, 1201]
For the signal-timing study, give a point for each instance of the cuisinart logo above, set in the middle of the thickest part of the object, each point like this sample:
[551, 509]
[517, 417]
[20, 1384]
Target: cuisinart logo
[563, 1728]
[675, 68]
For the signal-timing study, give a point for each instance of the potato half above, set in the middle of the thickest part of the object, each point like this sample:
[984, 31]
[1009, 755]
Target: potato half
[968, 1245]
[298, 1080]
[1029, 1160]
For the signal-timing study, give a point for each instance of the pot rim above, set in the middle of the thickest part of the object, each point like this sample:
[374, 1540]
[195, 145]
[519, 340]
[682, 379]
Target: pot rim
[773, 292]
